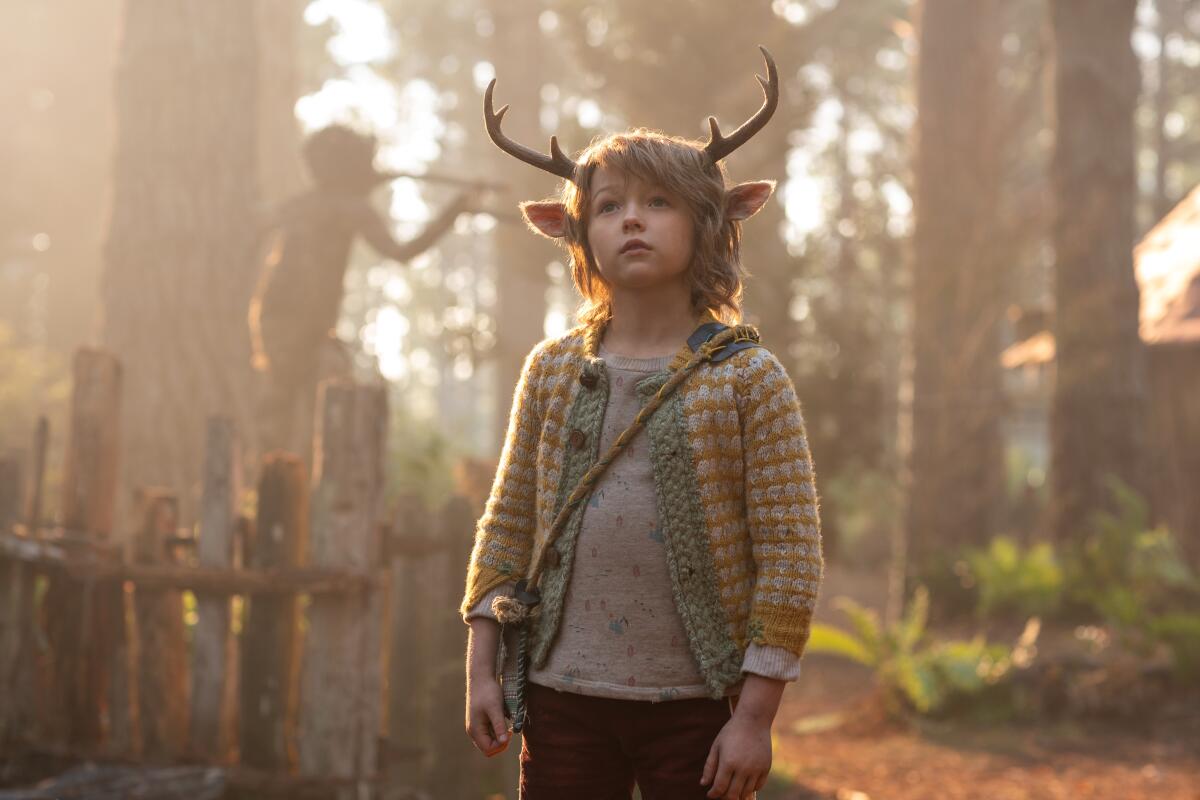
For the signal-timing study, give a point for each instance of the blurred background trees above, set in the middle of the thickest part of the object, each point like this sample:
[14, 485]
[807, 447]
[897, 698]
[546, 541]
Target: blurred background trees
[909, 249]
[958, 283]
[1099, 425]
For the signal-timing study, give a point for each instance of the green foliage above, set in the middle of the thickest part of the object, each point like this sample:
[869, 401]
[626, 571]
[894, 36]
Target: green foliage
[930, 677]
[835, 641]
[866, 503]
[1008, 578]
[1180, 631]
[32, 382]
[421, 460]
[1123, 570]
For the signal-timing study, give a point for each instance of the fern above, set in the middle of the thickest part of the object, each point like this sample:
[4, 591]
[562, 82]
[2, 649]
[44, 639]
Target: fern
[912, 673]
[1026, 582]
[835, 641]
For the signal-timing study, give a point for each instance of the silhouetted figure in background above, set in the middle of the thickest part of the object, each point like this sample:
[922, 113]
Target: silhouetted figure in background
[295, 308]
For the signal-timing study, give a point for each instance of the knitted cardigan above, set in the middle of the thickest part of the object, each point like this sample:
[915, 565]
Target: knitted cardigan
[734, 484]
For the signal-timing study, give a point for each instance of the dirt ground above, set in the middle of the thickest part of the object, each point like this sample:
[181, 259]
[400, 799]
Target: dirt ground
[867, 757]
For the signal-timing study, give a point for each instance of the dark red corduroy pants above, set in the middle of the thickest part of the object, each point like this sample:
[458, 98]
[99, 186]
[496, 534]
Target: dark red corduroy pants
[593, 748]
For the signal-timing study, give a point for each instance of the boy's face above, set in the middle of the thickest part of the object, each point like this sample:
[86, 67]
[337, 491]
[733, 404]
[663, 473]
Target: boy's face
[641, 235]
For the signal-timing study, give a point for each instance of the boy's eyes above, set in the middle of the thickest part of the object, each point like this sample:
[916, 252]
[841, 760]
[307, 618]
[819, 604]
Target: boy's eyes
[610, 205]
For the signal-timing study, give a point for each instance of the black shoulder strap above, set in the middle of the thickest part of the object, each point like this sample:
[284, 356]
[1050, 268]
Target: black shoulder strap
[711, 329]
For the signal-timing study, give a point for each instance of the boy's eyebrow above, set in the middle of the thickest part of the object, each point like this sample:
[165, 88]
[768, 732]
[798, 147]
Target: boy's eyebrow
[608, 187]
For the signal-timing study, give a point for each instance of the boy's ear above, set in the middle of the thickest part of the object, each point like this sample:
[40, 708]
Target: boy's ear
[546, 217]
[747, 199]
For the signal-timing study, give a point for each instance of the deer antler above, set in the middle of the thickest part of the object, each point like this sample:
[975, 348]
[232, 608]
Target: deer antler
[556, 163]
[720, 146]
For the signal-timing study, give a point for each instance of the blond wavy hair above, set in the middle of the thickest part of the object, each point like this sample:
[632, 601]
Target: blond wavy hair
[681, 167]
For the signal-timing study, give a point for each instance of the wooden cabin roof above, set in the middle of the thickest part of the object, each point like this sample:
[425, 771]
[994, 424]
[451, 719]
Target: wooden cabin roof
[1167, 267]
[1167, 264]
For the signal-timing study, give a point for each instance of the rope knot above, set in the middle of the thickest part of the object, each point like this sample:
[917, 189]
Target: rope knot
[519, 607]
[510, 610]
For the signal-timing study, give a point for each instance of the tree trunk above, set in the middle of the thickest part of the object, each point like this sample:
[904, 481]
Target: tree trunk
[956, 459]
[1098, 414]
[280, 167]
[768, 292]
[177, 276]
[521, 260]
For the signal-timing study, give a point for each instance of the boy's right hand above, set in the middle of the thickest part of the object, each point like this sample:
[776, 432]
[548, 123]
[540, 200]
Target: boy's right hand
[486, 724]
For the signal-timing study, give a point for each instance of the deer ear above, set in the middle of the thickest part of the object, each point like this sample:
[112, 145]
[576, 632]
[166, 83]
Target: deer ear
[547, 218]
[747, 199]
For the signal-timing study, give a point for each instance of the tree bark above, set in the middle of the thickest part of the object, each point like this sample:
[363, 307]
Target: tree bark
[1098, 424]
[280, 167]
[178, 275]
[956, 460]
[521, 260]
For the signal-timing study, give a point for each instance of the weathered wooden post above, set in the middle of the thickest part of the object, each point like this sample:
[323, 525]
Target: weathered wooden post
[85, 626]
[409, 642]
[12, 608]
[211, 717]
[11, 489]
[41, 441]
[162, 650]
[341, 689]
[18, 652]
[269, 645]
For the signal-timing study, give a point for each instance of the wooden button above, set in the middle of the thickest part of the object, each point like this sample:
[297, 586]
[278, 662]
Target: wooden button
[578, 438]
[553, 557]
[588, 379]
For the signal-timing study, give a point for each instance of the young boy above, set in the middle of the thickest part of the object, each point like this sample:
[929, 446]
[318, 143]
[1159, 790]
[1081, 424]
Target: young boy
[676, 600]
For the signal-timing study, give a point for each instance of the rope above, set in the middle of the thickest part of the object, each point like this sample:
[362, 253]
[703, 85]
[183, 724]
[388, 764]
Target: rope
[509, 609]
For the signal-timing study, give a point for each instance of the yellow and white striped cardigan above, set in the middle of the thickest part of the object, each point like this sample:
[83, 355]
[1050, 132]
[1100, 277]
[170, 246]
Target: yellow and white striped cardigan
[734, 485]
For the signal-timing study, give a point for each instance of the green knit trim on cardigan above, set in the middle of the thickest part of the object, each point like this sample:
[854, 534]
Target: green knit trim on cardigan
[586, 415]
[689, 558]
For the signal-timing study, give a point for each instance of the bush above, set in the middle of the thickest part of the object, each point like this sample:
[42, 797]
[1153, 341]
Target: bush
[1125, 571]
[1181, 633]
[930, 677]
[1011, 580]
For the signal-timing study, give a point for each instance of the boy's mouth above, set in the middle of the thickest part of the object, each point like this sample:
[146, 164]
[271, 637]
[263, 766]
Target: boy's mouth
[634, 244]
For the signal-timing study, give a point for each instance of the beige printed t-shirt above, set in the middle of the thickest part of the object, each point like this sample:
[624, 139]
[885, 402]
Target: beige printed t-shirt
[621, 635]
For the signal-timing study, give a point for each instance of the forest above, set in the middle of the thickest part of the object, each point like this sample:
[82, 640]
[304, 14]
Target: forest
[266, 291]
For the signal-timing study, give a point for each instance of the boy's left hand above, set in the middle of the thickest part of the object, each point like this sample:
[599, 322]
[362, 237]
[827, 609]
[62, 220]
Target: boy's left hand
[739, 760]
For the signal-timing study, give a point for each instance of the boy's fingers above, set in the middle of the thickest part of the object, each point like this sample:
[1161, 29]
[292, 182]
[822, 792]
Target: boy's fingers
[475, 732]
[497, 749]
[480, 732]
[710, 766]
[721, 784]
[732, 790]
[499, 725]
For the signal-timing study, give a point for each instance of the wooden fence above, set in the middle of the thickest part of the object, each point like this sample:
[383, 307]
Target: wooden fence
[311, 650]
